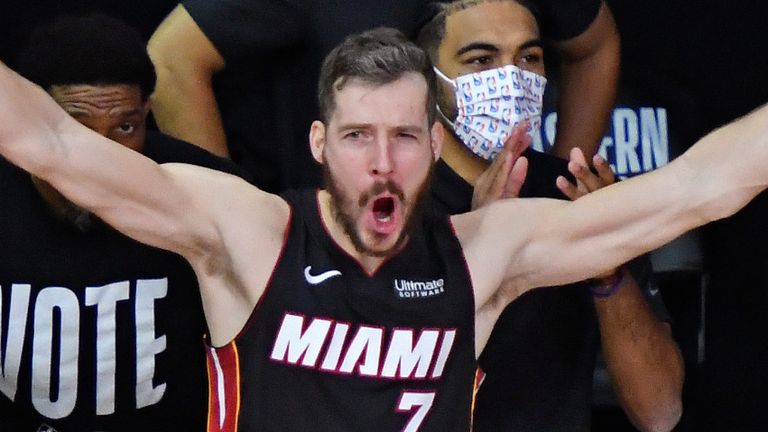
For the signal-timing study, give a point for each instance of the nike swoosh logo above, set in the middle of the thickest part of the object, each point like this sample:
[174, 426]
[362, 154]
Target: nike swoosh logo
[322, 277]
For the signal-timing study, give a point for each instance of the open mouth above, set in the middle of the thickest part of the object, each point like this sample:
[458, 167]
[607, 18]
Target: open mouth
[383, 209]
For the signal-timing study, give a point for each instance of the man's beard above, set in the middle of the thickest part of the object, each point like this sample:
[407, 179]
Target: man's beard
[342, 205]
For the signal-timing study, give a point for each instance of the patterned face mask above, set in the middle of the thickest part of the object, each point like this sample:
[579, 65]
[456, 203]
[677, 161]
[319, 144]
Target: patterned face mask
[491, 103]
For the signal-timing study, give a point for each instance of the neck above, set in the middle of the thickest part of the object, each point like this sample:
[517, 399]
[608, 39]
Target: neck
[461, 160]
[340, 237]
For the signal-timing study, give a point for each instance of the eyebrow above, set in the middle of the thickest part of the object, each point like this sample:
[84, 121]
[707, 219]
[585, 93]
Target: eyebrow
[77, 113]
[130, 113]
[487, 46]
[403, 128]
[348, 126]
[410, 129]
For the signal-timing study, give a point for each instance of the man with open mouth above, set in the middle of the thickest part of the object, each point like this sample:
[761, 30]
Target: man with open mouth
[346, 308]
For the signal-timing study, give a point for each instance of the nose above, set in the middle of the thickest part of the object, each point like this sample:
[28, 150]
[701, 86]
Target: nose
[381, 160]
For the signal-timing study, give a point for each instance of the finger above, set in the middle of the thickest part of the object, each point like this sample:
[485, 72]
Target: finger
[603, 170]
[587, 181]
[518, 140]
[577, 169]
[486, 181]
[567, 188]
[490, 185]
[516, 178]
[503, 175]
[501, 167]
[499, 160]
[577, 156]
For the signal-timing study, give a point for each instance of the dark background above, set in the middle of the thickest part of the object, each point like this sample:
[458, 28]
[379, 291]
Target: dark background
[706, 61]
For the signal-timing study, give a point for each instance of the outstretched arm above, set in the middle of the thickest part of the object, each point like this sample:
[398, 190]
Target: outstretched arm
[145, 200]
[185, 209]
[589, 78]
[184, 102]
[547, 242]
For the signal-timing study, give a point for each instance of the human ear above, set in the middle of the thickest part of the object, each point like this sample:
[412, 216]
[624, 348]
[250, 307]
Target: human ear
[317, 140]
[436, 137]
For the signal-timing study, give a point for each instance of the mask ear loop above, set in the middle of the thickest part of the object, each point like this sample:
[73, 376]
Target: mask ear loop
[445, 78]
[444, 117]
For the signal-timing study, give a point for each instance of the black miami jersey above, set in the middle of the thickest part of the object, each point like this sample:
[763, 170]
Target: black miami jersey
[332, 348]
[97, 332]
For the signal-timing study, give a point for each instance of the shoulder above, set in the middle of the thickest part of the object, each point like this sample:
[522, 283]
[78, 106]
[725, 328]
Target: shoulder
[565, 19]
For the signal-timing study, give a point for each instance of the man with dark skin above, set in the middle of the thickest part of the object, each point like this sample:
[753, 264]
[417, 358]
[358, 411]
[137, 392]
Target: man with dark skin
[523, 390]
[104, 333]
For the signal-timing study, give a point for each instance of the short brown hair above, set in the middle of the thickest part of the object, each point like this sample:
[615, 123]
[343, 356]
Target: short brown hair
[379, 56]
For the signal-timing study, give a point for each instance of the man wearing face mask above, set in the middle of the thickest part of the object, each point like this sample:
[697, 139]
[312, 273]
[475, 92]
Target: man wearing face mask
[539, 361]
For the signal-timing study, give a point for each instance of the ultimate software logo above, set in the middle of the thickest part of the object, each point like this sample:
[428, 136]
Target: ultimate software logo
[419, 289]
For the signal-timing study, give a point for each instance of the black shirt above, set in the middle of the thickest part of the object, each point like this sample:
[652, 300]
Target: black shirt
[267, 93]
[78, 308]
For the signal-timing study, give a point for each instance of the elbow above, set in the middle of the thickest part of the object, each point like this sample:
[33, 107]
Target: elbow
[179, 62]
[660, 419]
[661, 408]
[159, 49]
[662, 412]
[167, 64]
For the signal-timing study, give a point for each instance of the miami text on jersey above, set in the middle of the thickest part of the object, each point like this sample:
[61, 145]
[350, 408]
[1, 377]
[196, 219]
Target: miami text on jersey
[405, 355]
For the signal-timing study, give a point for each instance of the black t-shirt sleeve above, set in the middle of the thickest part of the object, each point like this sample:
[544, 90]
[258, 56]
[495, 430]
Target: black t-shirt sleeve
[162, 148]
[564, 19]
[242, 29]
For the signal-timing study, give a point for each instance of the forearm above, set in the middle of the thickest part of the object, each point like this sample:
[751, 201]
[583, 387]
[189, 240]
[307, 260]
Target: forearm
[643, 360]
[184, 103]
[715, 178]
[185, 107]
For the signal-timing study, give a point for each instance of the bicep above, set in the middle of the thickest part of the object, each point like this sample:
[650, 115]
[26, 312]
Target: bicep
[154, 204]
[496, 240]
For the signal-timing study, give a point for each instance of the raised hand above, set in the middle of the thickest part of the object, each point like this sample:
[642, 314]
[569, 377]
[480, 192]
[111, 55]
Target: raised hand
[586, 180]
[506, 174]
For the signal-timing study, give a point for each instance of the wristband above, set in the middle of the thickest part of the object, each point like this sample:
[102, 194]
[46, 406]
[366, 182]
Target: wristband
[607, 287]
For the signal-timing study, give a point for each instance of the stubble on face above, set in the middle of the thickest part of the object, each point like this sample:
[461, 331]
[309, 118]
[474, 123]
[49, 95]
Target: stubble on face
[345, 208]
